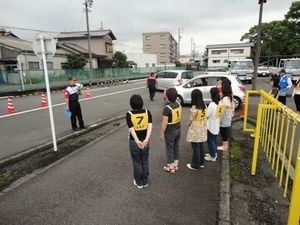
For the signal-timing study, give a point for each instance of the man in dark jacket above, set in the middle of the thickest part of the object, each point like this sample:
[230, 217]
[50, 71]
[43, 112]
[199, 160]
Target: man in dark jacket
[152, 85]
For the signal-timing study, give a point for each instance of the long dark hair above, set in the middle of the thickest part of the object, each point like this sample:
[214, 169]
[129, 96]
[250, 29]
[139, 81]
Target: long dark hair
[197, 99]
[214, 93]
[227, 90]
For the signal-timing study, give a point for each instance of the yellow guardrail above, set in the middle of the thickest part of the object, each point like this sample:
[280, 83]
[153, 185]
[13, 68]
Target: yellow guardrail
[276, 134]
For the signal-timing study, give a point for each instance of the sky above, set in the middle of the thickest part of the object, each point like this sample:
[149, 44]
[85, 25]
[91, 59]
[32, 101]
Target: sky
[203, 22]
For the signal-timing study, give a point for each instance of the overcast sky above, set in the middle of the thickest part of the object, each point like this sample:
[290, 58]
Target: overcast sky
[207, 22]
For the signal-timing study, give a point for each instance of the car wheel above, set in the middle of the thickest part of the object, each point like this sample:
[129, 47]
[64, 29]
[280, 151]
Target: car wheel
[180, 100]
[237, 102]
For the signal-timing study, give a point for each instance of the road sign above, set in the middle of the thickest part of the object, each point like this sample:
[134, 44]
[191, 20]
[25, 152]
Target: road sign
[50, 45]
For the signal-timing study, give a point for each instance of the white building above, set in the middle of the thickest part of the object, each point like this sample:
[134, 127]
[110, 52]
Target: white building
[142, 59]
[219, 55]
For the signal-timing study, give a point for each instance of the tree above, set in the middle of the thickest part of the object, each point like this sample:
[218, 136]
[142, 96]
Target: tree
[120, 60]
[279, 37]
[75, 61]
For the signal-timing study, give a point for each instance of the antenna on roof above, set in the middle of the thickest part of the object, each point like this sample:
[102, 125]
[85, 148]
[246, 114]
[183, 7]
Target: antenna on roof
[101, 28]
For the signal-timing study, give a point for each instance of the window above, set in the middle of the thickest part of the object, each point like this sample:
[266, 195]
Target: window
[64, 65]
[172, 75]
[50, 65]
[34, 65]
[162, 45]
[148, 46]
[225, 61]
[162, 54]
[216, 61]
[162, 75]
[212, 81]
[147, 64]
[218, 52]
[148, 37]
[187, 75]
[108, 47]
[237, 51]
[153, 64]
[162, 36]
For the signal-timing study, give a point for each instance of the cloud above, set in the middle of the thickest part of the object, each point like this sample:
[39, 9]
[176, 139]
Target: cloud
[207, 22]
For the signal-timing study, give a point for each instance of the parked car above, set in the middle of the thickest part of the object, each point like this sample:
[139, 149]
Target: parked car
[171, 78]
[204, 83]
[263, 71]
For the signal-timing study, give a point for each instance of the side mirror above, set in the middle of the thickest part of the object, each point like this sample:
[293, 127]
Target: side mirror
[189, 85]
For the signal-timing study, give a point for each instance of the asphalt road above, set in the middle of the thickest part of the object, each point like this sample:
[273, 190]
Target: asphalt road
[95, 186]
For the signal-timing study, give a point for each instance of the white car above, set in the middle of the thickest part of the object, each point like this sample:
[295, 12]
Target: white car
[171, 78]
[207, 81]
[216, 70]
[263, 71]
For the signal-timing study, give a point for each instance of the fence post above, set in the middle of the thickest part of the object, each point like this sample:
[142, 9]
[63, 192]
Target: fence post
[256, 142]
[295, 197]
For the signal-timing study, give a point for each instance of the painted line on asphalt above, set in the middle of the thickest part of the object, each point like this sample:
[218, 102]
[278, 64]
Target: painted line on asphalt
[81, 100]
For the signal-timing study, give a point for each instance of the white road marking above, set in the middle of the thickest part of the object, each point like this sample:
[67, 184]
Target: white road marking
[60, 104]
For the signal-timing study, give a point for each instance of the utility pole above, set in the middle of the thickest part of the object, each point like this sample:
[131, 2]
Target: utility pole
[257, 50]
[178, 47]
[88, 4]
[192, 55]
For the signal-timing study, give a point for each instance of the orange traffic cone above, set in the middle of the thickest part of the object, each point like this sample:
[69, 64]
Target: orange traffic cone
[88, 93]
[243, 111]
[10, 106]
[43, 101]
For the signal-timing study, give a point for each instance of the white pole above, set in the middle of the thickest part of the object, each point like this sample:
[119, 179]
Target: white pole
[48, 92]
[21, 75]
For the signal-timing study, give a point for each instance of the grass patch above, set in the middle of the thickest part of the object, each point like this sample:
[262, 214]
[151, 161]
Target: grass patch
[236, 155]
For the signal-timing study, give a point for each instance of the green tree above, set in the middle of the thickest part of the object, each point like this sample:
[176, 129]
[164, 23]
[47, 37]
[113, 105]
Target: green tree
[75, 61]
[279, 37]
[120, 60]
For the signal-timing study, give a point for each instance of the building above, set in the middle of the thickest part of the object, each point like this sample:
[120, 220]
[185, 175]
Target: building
[142, 59]
[16, 52]
[219, 55]
[163, 45]
[101, 45]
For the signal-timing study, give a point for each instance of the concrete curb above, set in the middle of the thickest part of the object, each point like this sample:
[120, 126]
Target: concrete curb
[225, 192]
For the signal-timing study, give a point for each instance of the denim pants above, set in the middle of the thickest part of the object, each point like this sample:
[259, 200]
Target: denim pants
[172, 138]
[212, 143]
[198, 155]
[140, 163]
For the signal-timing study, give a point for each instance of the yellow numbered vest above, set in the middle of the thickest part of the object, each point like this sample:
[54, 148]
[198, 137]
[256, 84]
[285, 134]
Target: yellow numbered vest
[201, 115]
[176, 114]
[220, 111]
[139, 121]
[298, 86]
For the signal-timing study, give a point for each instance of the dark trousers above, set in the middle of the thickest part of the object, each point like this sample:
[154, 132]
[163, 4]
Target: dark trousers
[140, 161]
[75, 109]
[172, 137]
[151, 93]
[297, 102]
[212, 143]
[198, 155]
[282, 99]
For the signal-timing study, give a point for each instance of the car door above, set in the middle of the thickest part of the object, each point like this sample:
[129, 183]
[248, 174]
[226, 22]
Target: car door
[196, 83]
[171, 79]
[211, 82]
[161, 80]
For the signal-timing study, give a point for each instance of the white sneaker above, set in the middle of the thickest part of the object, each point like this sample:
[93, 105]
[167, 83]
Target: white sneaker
[202, 166]
[209, 158]
[208, 155]
[138, 186]
[145, 185]
[190, 167]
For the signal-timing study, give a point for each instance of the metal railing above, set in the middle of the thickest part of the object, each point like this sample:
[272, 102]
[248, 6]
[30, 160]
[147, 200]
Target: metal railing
[276, 134]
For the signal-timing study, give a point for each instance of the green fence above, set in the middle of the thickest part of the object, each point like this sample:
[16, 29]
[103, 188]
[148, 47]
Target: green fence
[34, 79]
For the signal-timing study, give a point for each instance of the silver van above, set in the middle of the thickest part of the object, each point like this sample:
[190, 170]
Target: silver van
[171, 78]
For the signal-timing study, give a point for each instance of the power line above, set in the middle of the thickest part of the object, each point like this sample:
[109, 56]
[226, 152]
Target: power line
[28, 29]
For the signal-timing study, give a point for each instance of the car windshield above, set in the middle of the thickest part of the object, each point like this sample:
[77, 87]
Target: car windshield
[242, 65]
[292, 64]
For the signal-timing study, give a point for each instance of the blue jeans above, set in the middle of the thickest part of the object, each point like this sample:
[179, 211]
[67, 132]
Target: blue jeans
[198, 155]
[212, 143]
[140, 163]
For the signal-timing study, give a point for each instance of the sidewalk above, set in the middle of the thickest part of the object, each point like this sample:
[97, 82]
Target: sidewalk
[95, 186]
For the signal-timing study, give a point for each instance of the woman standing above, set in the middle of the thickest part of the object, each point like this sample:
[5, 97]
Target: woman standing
[197, 131]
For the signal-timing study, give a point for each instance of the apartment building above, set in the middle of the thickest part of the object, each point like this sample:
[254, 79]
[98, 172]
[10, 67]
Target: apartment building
[163, 45]
[219, 55]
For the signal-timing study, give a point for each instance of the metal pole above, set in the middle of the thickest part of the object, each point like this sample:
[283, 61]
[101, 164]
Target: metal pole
[178, 47]
[48, 92]
[89, 38]
[21, 75]
[257, 51]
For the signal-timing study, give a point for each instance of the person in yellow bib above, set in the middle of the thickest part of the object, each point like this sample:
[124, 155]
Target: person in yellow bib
[139, 122]
[171, 130]
[197, 130]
